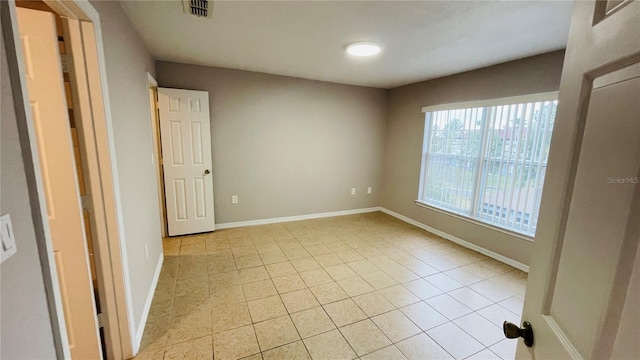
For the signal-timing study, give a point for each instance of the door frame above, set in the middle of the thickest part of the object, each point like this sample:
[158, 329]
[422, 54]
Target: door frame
[154, 121]
[97, 148]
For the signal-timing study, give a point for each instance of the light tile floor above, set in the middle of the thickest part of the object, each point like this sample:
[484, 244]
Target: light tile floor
[363, 286]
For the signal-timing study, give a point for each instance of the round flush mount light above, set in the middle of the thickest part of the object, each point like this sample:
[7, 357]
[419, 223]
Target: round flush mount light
[363, 48]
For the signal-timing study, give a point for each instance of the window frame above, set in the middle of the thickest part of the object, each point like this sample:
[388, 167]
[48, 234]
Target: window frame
[529, 98]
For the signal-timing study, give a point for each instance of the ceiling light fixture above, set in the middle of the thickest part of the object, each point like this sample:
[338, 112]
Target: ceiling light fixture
[363, 48]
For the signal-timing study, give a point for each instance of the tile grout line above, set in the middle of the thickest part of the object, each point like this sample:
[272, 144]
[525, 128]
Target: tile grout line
[403, 264]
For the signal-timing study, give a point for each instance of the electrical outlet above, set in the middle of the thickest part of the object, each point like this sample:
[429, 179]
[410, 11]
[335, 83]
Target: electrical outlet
[146, 252]
[234, 199]
[369, 190]
[353, 191]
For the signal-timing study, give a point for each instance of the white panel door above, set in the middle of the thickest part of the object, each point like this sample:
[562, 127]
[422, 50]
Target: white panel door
[186, 159]
[57, 165]
[583, 292]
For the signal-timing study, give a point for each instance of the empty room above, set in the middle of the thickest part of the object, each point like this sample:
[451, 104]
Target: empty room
[205, 179]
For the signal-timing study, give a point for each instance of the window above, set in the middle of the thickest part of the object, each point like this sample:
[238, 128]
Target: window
[487, 160]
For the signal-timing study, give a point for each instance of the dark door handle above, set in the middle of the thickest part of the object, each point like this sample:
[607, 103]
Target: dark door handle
[207, 172]
[512, 331]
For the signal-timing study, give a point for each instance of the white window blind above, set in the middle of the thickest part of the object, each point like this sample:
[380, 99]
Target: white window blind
[488, 162]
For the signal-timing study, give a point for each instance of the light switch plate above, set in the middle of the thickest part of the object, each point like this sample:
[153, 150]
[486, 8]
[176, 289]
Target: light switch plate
[8, 246]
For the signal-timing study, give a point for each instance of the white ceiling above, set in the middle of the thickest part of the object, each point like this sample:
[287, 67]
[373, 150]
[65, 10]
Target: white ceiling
[421, 40]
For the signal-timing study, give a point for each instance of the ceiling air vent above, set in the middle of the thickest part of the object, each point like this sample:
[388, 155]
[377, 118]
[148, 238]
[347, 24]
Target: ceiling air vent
[199, 8]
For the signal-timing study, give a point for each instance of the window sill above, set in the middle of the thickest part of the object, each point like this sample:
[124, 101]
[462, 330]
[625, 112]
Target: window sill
[476, 222]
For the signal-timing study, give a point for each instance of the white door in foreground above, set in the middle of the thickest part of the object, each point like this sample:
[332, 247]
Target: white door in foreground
[58, 168]
[583, 292]
[186, 159]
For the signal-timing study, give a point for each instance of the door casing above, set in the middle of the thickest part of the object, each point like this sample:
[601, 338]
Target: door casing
[98, 153]
[152, 85]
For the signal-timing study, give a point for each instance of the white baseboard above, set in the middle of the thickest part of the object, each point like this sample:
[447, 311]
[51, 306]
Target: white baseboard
[444, 235]
[147, 306]
[230, 225]
[481, 250]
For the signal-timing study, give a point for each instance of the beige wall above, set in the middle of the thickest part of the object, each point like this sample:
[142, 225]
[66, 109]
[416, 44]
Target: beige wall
[25, 325]
[287, 146]
[405, 129]
[127, 62]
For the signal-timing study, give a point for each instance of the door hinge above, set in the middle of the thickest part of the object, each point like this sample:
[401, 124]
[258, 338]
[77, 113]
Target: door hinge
[67, 63]
[86, 202]
[99, 320]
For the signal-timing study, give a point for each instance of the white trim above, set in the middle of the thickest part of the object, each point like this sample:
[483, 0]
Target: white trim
[230, 225]
[468, 245]
[548, 96]
[476, 222]
[154, 130]
[95, 18]
[147, 305]
[88, 11]
[151, 81]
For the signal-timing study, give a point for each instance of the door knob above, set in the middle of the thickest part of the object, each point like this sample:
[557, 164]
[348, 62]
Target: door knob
[207, 172]
[512, 331]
